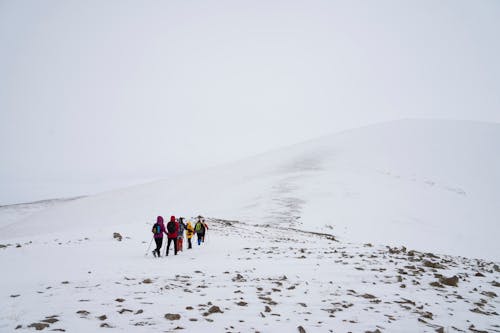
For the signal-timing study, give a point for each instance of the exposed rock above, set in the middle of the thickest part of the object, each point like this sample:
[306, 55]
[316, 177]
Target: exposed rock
[239, 278]
[213, 309]
[478, 274]
[103, 317]
[120, 300]
[83, 312]
[172, 316]
[39, 326]
[147, 281]
[106, 325]
[117, 236]
[242, 303]
[489, 294]
[301, 329]
[139, 311]
[122, 311]
[451, 281]
[267, 309]
[436, 284]
[428, 263]
[50, 320]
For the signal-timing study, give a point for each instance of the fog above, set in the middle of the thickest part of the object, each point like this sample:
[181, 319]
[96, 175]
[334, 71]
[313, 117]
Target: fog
[96, 95]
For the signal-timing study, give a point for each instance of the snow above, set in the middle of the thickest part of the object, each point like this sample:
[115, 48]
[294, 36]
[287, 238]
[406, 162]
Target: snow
[432, 186]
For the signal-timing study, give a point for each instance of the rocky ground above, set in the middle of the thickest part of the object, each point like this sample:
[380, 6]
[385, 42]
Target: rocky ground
[246, 278]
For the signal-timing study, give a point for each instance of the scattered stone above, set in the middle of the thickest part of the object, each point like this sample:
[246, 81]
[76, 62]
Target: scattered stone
[368, 296]
[428, 263]
[83, 312]
[172, 316]
[303, 305]
[301, 329]
[19, 245]
[436, 284]
[239, 278]
[50, 320]
[19, 326]
[122, 311]
[189, 308]
[106, 325]
[65, 282]
[117, 236]
[39, 326]
[139, 311]
[451, 281]
[478, 274]
[120, 300]
[242, 303]
[267, 309]
[213, 309]
[147, 281]
[14, 296]
[489, 294]
[103, 317]
[376, 331]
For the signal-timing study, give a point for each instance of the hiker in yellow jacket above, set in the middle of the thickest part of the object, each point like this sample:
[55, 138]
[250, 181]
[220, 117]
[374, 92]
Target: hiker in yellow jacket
[189, 233]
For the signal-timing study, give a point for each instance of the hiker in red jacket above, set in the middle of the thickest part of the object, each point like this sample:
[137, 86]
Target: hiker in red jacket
[172, 232]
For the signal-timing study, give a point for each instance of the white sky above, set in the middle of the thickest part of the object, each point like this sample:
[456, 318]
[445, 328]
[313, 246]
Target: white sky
[101, 93]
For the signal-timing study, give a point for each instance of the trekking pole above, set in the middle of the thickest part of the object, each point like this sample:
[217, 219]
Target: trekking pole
[149, 246]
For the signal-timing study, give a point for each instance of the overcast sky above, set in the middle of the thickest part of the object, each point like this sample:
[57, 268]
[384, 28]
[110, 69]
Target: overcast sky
[101, 93]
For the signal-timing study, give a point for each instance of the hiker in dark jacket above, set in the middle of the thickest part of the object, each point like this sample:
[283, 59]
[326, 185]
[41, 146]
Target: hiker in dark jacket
[158, 231]
[172, 232]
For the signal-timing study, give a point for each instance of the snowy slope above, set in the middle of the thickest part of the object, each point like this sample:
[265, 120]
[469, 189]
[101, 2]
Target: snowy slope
[261, 279]
[427, 184]
[430, 185]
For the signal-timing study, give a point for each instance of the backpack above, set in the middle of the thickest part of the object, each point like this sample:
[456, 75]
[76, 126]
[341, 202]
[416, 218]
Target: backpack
[171, 227]
[156, 229]
[199, 227]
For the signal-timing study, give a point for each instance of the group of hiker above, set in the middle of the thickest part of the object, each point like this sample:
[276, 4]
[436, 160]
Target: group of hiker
[175, 233]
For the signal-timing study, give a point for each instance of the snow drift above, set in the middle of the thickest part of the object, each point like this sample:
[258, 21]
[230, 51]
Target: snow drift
[427, 184]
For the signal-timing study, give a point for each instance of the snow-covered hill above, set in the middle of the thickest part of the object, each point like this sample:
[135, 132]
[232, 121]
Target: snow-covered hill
[427, 184]
[297, 242]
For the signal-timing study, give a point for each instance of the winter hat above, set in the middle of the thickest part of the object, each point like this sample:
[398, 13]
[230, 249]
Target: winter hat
[159, 219]
[172, 218]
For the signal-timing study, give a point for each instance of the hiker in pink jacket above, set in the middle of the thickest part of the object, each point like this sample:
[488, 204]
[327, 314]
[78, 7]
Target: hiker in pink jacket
[158, 231]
